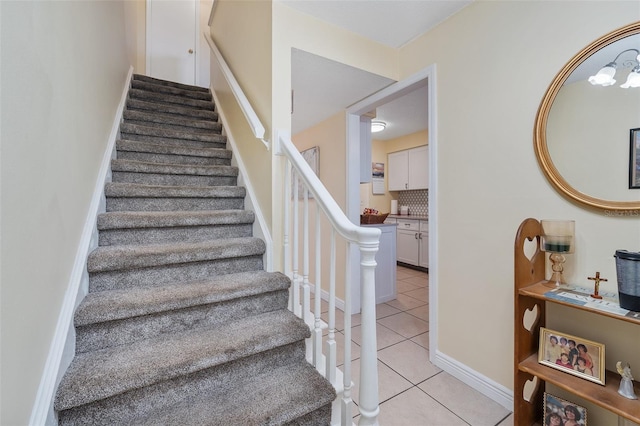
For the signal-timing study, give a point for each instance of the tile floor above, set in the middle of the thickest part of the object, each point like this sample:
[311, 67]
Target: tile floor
[412, 391]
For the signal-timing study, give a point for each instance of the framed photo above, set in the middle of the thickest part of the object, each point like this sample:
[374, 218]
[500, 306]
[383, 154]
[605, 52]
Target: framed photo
[571, 354]
[634, 159]
[559, 412]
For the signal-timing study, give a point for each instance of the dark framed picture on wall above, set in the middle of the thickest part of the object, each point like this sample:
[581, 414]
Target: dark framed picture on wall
[634, 159]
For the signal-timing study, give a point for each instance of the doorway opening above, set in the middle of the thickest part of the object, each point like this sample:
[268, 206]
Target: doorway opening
[420, 80]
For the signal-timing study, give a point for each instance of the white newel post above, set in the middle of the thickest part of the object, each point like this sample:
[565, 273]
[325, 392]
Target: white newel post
[369, 406]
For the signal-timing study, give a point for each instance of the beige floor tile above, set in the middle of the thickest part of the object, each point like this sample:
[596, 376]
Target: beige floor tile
[402, 273]
[420, 294]
[384, 310]
[404, 302]
[356, 319]
[324, 305]
[508, 421]
[464, 401]
[410, 360]
[421, 312]
[390, 383]
[422, 340]
[420, 280]
[415, 408]
[384, 336]
[404, 324]
[404, 287]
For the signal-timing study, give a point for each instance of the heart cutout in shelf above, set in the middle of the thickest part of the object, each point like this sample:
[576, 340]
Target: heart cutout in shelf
[530, 318]
[530, 389]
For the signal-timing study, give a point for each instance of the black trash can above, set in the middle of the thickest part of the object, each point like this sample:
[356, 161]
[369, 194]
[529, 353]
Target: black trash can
[628, 272]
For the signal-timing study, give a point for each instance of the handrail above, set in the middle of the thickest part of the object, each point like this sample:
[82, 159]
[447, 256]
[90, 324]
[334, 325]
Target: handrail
[245, 105]
[335, 215]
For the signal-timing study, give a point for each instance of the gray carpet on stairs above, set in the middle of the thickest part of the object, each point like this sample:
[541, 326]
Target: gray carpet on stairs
[182, 325]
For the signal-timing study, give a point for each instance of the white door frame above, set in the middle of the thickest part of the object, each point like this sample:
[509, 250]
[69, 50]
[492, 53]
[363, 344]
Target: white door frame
[426, 76]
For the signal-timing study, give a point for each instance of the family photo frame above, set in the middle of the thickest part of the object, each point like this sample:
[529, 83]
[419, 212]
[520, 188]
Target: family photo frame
[559, 412]
[573, 355]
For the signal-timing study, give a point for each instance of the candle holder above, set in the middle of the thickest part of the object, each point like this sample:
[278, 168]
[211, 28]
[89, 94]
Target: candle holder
[557, 239]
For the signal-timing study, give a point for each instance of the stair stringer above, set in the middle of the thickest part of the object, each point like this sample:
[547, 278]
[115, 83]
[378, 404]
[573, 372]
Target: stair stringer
[260, 226]
[63, 344]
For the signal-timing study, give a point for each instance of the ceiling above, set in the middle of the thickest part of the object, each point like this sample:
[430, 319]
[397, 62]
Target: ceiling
[323, 88]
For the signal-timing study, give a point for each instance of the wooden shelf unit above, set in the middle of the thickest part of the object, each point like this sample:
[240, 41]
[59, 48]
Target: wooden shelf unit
[529, 295]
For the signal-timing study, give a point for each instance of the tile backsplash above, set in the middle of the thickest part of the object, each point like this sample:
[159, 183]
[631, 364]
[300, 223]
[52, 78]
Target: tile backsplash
[417, 201]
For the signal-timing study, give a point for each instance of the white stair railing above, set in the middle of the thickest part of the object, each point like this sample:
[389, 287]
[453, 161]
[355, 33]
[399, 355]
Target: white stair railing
[297, 244]
[323, 357]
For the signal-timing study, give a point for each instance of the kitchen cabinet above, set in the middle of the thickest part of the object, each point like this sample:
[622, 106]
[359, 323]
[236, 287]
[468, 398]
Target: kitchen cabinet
[413, 242]
[423, 237]
[409, 169]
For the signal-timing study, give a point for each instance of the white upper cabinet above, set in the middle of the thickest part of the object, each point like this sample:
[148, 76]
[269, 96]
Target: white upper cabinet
[409, 169]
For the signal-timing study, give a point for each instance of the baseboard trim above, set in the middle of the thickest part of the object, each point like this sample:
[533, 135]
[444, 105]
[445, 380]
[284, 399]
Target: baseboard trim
[261, 230]
[477, 381]
[62, 346]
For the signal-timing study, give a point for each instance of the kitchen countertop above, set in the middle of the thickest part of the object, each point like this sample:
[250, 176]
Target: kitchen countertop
[407, 216]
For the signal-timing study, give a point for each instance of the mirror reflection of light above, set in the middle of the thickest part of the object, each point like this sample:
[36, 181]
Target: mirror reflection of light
[604, 77]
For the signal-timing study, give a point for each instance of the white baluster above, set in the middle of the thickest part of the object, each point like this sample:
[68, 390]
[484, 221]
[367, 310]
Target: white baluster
[346, 396]
[306, 293]
[368, 404]
[317, 330]
[287, 230]
[296, 278]
[331, 354]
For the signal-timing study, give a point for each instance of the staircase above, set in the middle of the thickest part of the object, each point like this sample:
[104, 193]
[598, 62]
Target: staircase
[182, 325]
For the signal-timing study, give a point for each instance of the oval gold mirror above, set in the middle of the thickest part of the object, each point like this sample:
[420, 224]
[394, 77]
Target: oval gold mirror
[583, 131]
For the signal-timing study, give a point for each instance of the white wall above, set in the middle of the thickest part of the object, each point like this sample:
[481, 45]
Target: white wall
[63, 67]
[495, 60]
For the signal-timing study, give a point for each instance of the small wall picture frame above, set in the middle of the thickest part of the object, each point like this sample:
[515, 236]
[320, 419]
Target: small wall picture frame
[573, 355]
[559, 412]
[634, 159]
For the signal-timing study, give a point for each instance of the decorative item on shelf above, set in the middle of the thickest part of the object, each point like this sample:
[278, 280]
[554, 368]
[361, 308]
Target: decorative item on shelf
[628, 274]
[626, 381]
[596, 290]
[574, 355]
[557, 238]
[372, 216]
[557, 411]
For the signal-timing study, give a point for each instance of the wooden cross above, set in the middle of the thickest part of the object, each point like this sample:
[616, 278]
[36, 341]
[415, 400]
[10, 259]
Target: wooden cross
[597, 279]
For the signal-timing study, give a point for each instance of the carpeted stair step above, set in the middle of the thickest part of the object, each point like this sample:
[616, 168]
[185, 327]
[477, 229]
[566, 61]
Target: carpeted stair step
[289, 395]
[101, 374]
[118, 267]
[136, 129]
[170, 109]
[117, 317]
[169, 90]
[145, 95]
[125, 228]
[146, 173]
[173, 154]
[169, 121]
[135, 197]
[135, 405]
[140, 77]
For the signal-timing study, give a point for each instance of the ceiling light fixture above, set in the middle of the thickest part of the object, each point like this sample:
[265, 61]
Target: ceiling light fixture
[604, 77]
[378, 126]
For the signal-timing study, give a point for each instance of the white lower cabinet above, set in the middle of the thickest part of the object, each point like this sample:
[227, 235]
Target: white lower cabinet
[423, 256]
[413, 242]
